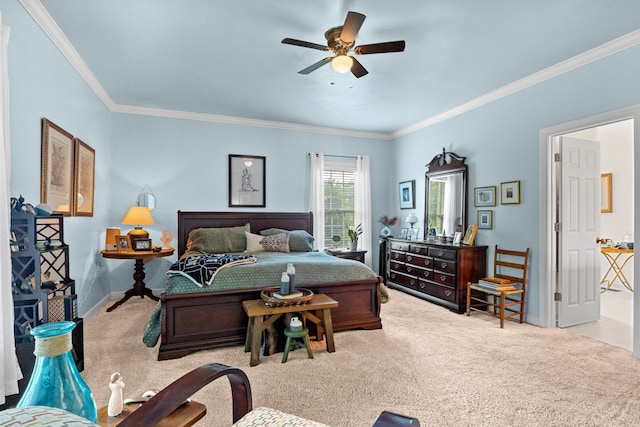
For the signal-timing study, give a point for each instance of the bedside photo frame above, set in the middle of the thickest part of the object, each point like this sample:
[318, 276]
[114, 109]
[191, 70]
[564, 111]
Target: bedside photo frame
[123, 243]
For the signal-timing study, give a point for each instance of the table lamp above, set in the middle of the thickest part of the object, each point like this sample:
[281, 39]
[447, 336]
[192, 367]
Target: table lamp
[411, 219]
[138, 216]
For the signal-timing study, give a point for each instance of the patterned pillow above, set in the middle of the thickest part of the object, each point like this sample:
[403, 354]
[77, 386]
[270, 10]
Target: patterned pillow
[220, 240]
[299, 240]
[275, 243]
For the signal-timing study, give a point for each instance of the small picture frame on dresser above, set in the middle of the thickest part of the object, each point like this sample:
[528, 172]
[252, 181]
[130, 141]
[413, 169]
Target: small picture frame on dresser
[415, 233]
[403, 233]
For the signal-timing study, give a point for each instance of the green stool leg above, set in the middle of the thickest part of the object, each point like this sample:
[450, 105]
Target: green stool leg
[306, 343]
[286, 350]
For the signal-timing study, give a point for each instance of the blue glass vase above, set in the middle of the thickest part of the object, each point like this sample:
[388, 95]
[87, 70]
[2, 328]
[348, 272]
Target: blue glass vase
[55, 381]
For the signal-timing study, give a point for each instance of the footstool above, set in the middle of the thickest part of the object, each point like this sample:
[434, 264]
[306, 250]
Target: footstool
[293, 342]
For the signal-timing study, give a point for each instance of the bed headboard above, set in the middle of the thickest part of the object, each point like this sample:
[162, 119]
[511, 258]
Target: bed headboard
[187, 221]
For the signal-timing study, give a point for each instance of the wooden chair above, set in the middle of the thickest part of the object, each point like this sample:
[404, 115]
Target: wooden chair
[174, 395]
[510, 265]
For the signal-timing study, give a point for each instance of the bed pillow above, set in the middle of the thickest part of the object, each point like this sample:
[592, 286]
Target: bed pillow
[274, 243]
[299, 240]
[219, 240]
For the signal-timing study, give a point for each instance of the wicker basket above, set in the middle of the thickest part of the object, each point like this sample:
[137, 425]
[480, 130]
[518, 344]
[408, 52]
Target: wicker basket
[271, 301]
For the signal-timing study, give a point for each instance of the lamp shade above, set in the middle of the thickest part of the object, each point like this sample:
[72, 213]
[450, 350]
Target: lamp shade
[411, 219]
[138, 215]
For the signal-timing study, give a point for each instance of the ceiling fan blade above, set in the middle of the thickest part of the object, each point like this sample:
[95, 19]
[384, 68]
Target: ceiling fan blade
[302, 43]
[357, 69]
[315, 66]
[366, 49]
[351, 26]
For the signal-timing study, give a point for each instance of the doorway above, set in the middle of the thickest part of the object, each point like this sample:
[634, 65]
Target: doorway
[548, 266]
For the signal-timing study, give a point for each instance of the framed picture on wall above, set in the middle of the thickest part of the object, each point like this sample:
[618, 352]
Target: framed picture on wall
[510, 193]
[485, 196]
[408, 195]
[247, 181]
[84, 179]
[485, 219]
[56, 173]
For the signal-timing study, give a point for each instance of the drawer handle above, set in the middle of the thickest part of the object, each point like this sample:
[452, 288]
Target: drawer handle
[396, 255]
[447, 293]
[440, 253]
[443, 278]
[413, 282]
[419, 250]
[408, 269]
[396, 266]
[409, 257]
[426, 263]
[422, 286]
[393, 275]
[443, 265]
[426, 274]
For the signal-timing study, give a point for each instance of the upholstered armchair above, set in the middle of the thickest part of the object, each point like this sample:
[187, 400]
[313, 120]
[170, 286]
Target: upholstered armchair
[168, 399]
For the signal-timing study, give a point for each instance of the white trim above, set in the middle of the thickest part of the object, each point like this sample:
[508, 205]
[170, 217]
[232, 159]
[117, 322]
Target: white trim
[621, 43]
[546, 197]
[53, 31]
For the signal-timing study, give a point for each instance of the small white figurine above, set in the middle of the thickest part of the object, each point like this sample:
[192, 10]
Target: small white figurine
[166, 238]
[115, 400]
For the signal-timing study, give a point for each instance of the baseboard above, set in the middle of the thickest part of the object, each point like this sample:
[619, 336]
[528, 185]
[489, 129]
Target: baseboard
[107, 298]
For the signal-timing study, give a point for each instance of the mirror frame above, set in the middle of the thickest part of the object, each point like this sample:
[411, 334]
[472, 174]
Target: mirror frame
[446, 163]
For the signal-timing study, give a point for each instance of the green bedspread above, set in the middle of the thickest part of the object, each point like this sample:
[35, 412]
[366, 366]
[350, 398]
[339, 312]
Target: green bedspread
[311, 268]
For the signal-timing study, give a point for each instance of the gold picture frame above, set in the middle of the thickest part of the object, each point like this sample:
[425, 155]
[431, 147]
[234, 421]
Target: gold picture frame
[84, 179]
[510, 193]
[56, 172]
[123, 243]
[606, 202]
[470, 235]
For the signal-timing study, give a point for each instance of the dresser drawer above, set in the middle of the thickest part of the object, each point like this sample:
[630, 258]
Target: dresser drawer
[403, 280]
[397, 256]
[419, 272]
[400, 246]
[396, 266]
[444, 278]
[445, 266]
[449, 254]
[419, 260]
[420, 250]
[439, 291]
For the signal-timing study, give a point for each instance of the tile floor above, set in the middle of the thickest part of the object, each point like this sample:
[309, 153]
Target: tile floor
[615, 326]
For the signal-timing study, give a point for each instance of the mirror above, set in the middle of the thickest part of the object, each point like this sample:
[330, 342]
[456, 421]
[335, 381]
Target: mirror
[445, 195]
[146, 198]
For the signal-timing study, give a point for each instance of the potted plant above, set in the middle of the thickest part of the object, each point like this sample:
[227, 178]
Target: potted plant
[354, 232]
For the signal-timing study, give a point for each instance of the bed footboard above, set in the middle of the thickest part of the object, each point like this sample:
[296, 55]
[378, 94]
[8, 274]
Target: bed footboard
[193, 322]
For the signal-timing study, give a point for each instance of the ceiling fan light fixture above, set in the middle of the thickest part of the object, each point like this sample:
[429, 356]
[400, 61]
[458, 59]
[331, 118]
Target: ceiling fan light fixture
[342, 63]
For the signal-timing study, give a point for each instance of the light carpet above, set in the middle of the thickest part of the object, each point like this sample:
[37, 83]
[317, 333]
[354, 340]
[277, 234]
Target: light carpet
[444, 368]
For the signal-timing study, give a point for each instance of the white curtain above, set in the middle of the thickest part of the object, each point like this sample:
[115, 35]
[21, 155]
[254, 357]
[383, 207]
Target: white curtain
[362, 201]
[316, 199]
[10, 373]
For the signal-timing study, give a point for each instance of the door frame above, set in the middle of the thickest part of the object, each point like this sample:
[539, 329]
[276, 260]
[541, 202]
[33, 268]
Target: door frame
[547, 193]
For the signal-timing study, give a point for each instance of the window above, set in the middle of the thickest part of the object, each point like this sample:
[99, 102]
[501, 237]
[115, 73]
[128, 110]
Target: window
[436, 205]
[338, 180]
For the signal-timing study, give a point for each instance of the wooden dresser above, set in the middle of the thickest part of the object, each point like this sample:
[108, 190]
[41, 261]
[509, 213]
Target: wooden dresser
[432, 271]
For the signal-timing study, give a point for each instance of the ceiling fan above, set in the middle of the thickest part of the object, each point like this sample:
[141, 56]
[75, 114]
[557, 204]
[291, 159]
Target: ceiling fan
[340, 41]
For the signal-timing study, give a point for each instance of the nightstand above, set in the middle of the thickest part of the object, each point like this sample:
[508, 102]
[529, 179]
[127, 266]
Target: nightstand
[347, 254]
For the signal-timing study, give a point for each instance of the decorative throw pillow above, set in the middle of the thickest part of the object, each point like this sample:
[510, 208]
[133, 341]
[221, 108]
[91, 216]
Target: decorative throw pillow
[275, 243]
[299, 240]
[218, 240]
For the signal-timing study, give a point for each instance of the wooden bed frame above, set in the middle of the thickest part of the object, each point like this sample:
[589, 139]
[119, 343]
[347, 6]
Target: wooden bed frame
[193, 322]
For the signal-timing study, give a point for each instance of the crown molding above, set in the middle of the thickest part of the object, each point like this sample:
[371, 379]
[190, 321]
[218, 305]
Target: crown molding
[617, 45]
[53, 31]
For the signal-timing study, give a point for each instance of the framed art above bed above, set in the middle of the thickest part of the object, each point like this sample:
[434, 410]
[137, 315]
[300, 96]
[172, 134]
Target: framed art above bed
[247, 181]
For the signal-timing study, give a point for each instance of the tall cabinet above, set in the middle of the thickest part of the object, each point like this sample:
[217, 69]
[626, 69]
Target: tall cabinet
[433, 271]
[42, 289]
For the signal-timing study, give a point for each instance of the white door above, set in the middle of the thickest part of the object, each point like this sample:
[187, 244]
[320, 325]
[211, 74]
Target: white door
[578, 252]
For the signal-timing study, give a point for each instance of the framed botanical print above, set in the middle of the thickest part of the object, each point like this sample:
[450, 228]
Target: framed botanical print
[84, 179]
[56, 173]
[247, 182]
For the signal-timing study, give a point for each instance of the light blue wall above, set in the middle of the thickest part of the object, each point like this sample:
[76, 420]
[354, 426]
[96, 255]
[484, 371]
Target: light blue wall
[43, 84]
[501, 143]
[186, 165]
[185, 162]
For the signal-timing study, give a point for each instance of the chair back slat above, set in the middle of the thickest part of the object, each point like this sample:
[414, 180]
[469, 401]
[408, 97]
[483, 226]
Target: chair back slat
[508, 262]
